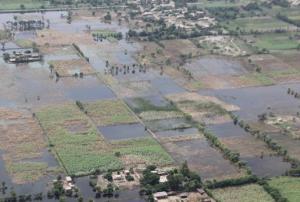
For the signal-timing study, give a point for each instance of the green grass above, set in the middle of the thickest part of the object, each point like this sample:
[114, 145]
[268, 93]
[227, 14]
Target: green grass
[256, 24]
[145, 149]
[289, 187]
[276, 42]
[109, 112]
[246, 193]
[79, 153]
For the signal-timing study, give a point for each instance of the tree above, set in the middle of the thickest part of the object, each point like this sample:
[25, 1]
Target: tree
[175, 181]
[107, 17]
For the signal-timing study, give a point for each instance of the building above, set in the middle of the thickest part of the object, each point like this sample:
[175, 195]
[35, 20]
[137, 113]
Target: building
[160, 195]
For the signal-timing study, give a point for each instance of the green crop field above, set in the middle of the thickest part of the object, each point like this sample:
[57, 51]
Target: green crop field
[109, 112]
[257, 24]
[246, 193]
[276, 41]
[289, 187]
[144, 150]
[79, 152]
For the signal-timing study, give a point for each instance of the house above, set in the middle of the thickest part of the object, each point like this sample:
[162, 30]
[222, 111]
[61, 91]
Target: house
[117, 177]
[160, 195]
[68, 179]
[163, 179]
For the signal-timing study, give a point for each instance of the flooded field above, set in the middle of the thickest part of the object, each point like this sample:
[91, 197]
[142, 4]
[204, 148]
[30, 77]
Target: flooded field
[97, 100]
[257, 100]
[261, 160]
[202, 159]
[212, 65]
[126, 131]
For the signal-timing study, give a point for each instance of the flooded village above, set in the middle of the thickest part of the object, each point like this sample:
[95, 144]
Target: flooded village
[150, 100]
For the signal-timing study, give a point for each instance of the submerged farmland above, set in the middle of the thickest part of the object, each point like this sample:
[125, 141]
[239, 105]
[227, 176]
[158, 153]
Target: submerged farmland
[143, 101]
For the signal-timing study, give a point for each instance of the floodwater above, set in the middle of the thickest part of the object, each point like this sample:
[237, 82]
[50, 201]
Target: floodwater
[29, 188]
[156, 100]
[250, 150]
[268, 166]
[257, 100]
[123, 131]
[167, 124]
[177, 132]
[87, 89]
[215, 65]
[202, 158]
[131, 195]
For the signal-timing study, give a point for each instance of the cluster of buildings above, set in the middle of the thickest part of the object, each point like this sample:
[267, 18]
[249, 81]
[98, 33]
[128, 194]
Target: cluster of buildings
[22, 57]
[183, 17]
[27, 22]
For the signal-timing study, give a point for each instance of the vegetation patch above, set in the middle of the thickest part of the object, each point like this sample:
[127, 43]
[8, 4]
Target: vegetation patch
[79, 153]
[27, 171]
[202, 108]
[245, 193]
[109, 112]
[287, 186]
[155, 115]
[257, 24]
[19, 143]
[276, 42]
[142, 151]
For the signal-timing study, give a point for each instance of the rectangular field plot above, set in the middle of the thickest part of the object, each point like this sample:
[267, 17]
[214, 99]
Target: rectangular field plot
[109, 112]
[72, 67]
[201, 158]
[284, 130]
[145, 151]
[261, 24]
[153, 108]
[261, 160]
[75, 140]
[276, 42]
[23, 145]
[168, 124]
[289, 187]
[246, 193]
[205, 109]
[123, 131]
